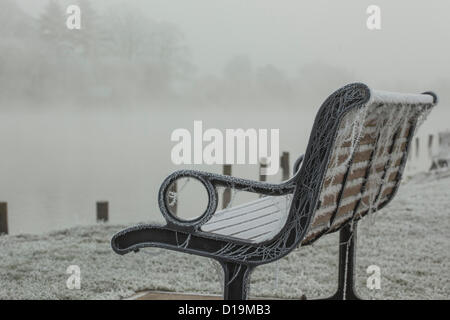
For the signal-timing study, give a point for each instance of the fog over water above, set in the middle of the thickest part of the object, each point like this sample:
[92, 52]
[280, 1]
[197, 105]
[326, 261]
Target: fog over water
[87, 116]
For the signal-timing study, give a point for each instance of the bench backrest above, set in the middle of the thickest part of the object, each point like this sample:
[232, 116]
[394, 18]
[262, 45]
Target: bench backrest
[366, 155]
[353, 165]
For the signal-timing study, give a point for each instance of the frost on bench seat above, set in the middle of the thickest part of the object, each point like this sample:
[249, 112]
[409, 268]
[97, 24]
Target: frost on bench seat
[253, 221]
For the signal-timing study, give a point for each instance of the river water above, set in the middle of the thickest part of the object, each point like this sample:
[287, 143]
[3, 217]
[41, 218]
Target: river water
[55, 165]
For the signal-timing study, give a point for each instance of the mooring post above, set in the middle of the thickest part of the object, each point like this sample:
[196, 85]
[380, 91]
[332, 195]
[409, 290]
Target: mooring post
[102, 211]
[3, 218]
[227, 191]
[417, 147]
[262, 167]
[430, 145]
[284, 164]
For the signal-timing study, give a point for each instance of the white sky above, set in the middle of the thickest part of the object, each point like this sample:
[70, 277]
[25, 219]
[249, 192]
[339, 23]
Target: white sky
[414, 39]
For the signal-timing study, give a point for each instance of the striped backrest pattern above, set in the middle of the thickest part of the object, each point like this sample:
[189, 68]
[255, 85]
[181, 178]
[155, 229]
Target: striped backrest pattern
[367, 160]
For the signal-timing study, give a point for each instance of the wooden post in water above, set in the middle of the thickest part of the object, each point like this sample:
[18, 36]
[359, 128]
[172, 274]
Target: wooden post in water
[227, 191]
[262, 165]
[417, 147]
[3, 218]
[284, 164]
[102, 211]
[430, 145]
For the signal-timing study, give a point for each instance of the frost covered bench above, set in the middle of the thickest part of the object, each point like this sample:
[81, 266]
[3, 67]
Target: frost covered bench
[352, 166]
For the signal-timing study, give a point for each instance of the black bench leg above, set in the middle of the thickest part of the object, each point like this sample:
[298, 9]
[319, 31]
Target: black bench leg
[347, 251]
[236, 280]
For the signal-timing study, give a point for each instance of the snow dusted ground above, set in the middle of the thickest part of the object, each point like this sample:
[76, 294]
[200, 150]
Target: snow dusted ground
[409, 240]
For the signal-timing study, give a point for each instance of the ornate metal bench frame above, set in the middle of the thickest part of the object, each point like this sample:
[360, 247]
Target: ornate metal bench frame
[238, 258]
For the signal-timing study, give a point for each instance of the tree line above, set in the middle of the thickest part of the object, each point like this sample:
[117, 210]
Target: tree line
[122, 56]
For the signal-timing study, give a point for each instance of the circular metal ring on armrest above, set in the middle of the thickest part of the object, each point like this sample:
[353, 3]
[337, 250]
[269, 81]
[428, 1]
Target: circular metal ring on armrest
[163, 199]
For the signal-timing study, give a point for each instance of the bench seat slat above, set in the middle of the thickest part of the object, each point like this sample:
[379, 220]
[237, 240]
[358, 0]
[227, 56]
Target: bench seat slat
[255, 221]
[240, 210]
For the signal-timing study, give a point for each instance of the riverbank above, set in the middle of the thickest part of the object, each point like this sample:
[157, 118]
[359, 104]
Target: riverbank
[408, 240]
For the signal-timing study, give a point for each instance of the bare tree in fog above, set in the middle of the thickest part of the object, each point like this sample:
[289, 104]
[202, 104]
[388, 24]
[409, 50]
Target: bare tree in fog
[242, 83]
[120, 55]
[88, 40]
[17, 39]
[50, 28]
[155, 50]
[123, 57]
[129, 33]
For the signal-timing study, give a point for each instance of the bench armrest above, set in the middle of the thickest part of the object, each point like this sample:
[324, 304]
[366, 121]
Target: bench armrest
[211, 181]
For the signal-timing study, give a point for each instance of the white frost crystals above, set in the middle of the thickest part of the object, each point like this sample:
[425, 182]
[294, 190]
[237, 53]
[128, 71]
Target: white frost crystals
[370, 146]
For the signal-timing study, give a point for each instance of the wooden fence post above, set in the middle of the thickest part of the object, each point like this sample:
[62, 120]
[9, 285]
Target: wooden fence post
[227, 191]
[284, 164]
[3, 218]
[102, 211]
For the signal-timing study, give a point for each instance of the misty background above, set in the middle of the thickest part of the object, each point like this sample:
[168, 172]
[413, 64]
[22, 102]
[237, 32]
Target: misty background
[86, 115]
